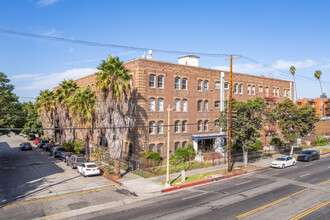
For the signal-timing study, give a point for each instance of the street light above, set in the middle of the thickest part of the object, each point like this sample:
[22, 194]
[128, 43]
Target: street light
[167, 184]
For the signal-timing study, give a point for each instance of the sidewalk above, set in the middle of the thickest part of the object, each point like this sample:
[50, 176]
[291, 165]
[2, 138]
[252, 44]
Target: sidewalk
[143, 186]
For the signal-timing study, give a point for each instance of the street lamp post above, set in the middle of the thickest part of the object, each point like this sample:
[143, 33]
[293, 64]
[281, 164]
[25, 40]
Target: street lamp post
[167, 184]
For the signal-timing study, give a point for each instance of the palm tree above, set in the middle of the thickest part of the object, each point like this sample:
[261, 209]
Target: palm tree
[317, 75]
[116, 106]
[45, 107]
[82, 106]
[63, 93]
[293, 70]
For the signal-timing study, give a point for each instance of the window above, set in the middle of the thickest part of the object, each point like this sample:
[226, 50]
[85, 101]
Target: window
[177, 145]
[199, 105]
[321, 103]
[253, 90]
[184, 144]
[176, 127]
[199, 125]
[273, 91]
[284, 94]
[240, 89]
[130, 81]
[160, 148]
[226, 85]
[206, 85]
[321, 110]
[151, 147]
[206, 105]
[177, 83]
[160, 127]
[249, 90]
[200, 85]
[184, 105]
[216, 123]
[184, 84]
[260, 89]
[177, 105]
[152, 81]
[160, 81]
[92, 87]
[217, 104]
[217, 85]
[288, 92]
[266, 91]
[235, 88]
[151, 104]
[184, 126]
[151, 127]
[160, 106]
[277, 92]
[206, 125]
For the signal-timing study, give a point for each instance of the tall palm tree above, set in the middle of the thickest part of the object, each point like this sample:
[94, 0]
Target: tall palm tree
[82, 106]
[293, 71]
[116, 106]
[45, 107]
[317, 75]
[63, 93]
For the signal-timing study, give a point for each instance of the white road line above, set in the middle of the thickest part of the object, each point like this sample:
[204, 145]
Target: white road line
[243, 182]
[275, 174]
[305, 175]
[308, 165]
[194, 196]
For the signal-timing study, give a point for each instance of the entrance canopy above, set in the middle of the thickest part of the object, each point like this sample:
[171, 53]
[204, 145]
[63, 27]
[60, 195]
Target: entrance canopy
[208, 136]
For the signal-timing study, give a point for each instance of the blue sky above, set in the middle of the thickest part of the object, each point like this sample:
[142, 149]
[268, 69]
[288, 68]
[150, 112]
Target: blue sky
[278, 33]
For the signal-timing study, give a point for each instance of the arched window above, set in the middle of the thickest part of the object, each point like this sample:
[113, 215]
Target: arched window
[206, 125]
[152, 81]
[184, 144]
[266, 91]
[216, 123]
[152, 104]
[206, 105]
[176, 145]
[235, 88]
[200, 82]
[177, 83]
[184, 83]
[253, 90]
[249, 90]
[151, 127]
[199, 125]
[160, 106]
[184, 105]
[177, 105]
[176, 127]
[160, 148]
[184, 126]
[217, 104]
[160, 127]
[240, 89]
[206, 85]
[199, 105]
[151, 147]
[160, 81]
[217, 85]
[277, 92]
[226, 85]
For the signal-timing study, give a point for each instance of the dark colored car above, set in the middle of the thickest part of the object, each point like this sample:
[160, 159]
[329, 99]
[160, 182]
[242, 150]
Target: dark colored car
[308, 155]
[64, 155]
[42, 142]
[31, 137]
[75, 160]
[56, 151]
[48, 147]
[25, 146]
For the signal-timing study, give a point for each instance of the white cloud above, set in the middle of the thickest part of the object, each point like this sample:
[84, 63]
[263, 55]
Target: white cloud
[47, 2]
[23, 76]
[49, 81]
[286, 64]
[50, 32]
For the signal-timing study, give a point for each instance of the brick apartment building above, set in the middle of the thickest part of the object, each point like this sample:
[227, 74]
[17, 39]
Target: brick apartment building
[196, 95]
[322, 105]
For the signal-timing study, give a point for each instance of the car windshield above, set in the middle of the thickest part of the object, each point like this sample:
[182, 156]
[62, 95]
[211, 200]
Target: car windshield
[91, 166]
[80, 159]
[280, 158]
[307, 152]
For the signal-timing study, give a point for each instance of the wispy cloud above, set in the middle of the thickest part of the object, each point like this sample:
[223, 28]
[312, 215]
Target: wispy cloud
[285, 64]
[49, 81]
[24, 76]
[50, 32]
[47, 2]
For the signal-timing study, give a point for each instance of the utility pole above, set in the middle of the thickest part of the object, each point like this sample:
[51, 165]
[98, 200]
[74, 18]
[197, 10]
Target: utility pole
[167, 183]
[230, 108]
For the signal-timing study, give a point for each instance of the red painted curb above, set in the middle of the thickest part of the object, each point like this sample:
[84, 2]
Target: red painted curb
[201, 182]
[325, 153]
[115, 181]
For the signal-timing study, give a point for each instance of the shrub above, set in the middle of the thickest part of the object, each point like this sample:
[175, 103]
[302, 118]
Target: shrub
[191, 152]
[321, 141]
[68, 147]
[258, 145]
[76, 147]
[182, 153]
[152, 155]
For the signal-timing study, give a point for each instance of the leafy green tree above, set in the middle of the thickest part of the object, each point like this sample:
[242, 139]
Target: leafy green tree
[293, 71]
[246, 125]
[82, 108]
[31, 122]
[294, 122]
[116, 106]
[8, 104]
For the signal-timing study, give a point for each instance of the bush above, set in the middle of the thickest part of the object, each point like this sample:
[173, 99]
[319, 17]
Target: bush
[75, 147]
[152, 155]
[191, 152]
[182, 153]
[321, 141]
[278, 143]
[258, 145]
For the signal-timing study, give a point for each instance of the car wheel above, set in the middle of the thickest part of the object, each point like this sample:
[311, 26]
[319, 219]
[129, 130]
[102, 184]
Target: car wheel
[84, 174]
[283, 166]
[309, 159]
[294, 163]
[318, 158]
[72, 166]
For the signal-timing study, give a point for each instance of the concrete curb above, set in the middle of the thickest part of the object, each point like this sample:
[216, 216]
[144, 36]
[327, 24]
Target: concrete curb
[202, 182]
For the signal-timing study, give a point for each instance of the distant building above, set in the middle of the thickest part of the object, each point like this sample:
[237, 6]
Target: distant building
[322, 105]
[196, 95]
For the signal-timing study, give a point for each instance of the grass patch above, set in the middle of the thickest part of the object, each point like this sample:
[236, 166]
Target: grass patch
[324, 150]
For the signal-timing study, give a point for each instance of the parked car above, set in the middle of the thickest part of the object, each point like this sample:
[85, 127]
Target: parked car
[308, 155]
[75, 160]
[42, 142]
[24, 136]
[56, 151]
[31, 137]
[36, 140]
[47, 147]
[64, 155]
[283, 162]
[88, 169]
[25, 146]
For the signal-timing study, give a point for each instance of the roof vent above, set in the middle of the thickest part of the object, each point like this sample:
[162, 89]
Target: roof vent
[191, 60]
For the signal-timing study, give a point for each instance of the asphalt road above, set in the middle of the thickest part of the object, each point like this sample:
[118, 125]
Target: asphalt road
[301, 191]
[34, 185]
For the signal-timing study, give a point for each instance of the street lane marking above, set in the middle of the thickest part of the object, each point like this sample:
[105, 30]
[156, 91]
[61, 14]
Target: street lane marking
[305, 175]
[195, 196]
[270, 204]
[310, 211]
[60, 196]
[324, 182]
[243, 182]
[308, 165]
[276, 174]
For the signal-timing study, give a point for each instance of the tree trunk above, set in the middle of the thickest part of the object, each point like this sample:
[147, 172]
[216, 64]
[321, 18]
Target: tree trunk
[245, 156]
[87, 149]
[117, 168]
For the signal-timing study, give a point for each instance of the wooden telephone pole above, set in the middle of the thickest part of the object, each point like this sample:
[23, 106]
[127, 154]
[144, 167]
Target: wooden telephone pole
[230, 108]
